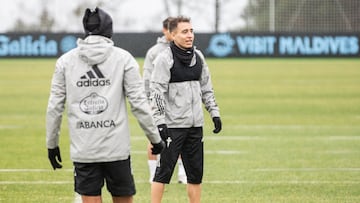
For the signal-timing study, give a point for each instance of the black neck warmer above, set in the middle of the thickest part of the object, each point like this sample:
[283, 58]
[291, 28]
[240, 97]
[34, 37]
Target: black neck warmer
[184, 56]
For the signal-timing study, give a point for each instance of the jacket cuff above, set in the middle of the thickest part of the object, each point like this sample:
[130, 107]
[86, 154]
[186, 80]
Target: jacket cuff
[215, 114]
[160, 121]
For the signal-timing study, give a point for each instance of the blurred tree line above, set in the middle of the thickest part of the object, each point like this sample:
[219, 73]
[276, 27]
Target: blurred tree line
[302, 15]
[46, 22]
[258, 15]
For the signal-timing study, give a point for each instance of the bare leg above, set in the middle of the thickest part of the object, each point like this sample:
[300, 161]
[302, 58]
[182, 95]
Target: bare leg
[157, 191]
[128, 199]
[91, 199]
[194, 192]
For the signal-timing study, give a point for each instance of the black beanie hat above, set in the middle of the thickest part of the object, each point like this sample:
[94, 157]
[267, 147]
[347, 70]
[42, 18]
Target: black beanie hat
[97, 22]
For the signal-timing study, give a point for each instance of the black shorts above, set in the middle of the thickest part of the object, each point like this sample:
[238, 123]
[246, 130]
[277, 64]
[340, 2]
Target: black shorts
[89, 178]
[189, 143]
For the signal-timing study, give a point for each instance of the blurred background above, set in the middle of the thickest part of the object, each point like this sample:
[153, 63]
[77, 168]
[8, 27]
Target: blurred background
[207, 15]
[224, 28]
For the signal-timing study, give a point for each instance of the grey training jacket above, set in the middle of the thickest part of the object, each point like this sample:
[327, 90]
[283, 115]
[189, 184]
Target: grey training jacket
[94, 81]
[161, 44]
[179, 104]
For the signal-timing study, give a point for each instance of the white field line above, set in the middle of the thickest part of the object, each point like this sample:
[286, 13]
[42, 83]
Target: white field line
[234, 138]
[295, 127]
[303, 169]
[291, 182]
[261, 127]
[222, 152]
[213, 137]
[270, 126]
[237, 182]
[265, 138]
[9, 126]
[36, 182]
[338, 152]
[344, 138]
[24, 170]
[31, 170]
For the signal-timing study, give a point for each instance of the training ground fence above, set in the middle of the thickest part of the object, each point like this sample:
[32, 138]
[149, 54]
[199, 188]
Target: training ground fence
[309, 16]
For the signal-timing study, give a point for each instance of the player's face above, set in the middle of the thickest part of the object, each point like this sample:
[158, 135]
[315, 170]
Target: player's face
[183, 36]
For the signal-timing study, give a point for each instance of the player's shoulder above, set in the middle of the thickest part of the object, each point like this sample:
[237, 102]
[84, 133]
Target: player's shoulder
[121, 52]
[165, 53]
[165, 56]
[157, 48]
[68, 58]
[199, 52]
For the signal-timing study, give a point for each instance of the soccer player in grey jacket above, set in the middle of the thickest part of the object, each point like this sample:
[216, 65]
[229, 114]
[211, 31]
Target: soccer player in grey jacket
[161, 44]
[180, 84]
[94, 79]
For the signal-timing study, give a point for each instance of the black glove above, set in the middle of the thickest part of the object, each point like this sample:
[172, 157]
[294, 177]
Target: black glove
[158, 148]
[217, 124]
[163, 131]
[53, 154]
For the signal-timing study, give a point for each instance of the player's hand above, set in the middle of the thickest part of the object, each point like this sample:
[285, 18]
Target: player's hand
[217, 124]
[163, 131]
[158, 147]
[55, 157]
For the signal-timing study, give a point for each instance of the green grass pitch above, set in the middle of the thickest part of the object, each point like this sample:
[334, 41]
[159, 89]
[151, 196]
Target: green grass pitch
[291, 133]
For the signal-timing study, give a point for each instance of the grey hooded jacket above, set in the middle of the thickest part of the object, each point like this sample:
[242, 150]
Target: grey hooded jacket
[161, 45]
[179, 104]
[94, 80]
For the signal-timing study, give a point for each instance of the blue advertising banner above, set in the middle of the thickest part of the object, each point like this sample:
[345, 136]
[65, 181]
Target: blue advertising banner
[217, 45]
[242, 45]
[36, 45]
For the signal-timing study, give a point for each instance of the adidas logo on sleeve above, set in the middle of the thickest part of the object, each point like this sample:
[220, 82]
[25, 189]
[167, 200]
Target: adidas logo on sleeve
[93, 78]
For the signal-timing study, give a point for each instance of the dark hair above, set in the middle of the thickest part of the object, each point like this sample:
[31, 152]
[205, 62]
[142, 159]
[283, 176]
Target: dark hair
[174, 23]
[166, 22]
